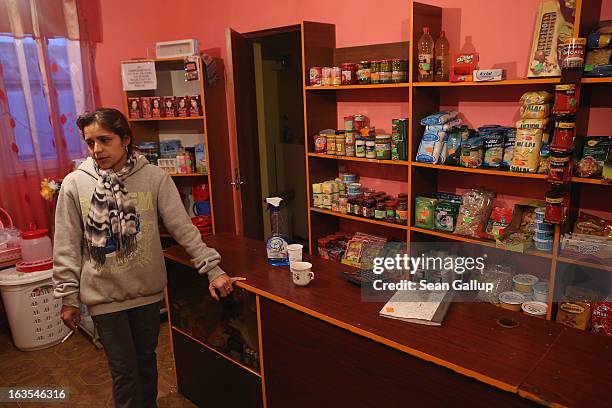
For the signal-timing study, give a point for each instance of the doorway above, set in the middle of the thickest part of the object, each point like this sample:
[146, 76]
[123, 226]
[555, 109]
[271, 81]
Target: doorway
[269, 123]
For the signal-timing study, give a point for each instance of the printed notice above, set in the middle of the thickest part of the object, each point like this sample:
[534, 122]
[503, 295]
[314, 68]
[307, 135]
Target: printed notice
[138, 76]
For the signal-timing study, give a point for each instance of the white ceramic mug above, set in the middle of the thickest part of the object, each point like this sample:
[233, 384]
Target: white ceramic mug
[301, 272]
[295, 253]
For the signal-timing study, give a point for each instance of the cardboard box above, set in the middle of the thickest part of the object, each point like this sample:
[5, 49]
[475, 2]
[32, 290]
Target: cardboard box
[485, 75]
[508, 240]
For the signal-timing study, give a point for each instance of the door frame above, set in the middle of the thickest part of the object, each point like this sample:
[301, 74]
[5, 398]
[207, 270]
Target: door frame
[231, 111]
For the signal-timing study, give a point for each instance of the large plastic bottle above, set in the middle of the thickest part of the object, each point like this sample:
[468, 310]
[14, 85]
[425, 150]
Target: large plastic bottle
[426, 56]
[276, 244]
[442, 52]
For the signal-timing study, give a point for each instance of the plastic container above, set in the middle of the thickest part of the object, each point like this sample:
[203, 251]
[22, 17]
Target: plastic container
[535, 309]
[540, 292]
[543, 245]
[36, 245]
[544, 226]
[32, 311]
[540, 212]
[544, 235]
[523, 283]
[511, 301]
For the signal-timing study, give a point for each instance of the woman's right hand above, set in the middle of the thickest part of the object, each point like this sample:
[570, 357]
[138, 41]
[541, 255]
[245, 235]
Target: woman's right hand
[71, 316]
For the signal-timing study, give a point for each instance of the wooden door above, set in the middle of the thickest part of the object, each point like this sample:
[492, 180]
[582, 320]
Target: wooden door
[246, 180]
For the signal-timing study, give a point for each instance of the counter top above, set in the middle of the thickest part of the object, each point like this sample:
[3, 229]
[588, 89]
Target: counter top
[470, 340]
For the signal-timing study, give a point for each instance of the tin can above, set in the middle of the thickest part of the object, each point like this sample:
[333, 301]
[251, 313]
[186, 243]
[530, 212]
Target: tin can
[315, 76]
[336, 76]
[359, 122]
[320, 143]
[348, 123]
[349, 74]
[326, 76]
[572, 53]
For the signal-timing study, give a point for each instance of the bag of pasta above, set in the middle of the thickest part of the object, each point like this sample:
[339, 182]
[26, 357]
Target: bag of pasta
[474, 212]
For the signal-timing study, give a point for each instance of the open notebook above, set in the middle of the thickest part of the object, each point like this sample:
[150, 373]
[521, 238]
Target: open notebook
[418, 306]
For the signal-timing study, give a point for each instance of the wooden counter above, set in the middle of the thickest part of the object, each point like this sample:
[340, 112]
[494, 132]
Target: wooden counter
[522, 361]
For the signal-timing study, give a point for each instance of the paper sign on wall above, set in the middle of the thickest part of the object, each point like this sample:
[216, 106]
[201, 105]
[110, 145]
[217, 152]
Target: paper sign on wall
[138, 76]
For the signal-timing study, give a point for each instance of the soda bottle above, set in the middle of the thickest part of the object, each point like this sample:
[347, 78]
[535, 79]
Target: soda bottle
[442, 58]
[426, 56]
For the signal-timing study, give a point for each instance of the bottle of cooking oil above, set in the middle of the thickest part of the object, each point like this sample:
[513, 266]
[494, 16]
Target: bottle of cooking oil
[442, 59]
[426, 56]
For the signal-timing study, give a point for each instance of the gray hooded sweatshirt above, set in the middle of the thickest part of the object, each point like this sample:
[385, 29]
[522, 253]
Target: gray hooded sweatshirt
[141, 279]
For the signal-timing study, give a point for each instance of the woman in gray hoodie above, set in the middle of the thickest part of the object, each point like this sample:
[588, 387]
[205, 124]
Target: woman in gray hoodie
[108, 255]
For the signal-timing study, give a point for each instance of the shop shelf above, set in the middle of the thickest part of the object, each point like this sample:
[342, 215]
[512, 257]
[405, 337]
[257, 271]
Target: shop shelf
[508, 82]
[477, 241]
[587, 264]
[188, 174]
[166, 119]
[481, 171]
[345, 87]
[352, 217]
[359, 159]
[605, 80]
[589, 181]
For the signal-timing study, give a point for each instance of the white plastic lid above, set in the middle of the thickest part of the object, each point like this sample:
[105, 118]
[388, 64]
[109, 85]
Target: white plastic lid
[12, 277]
[525, 279]
[541, 287]
[511, 298]
[535, 308]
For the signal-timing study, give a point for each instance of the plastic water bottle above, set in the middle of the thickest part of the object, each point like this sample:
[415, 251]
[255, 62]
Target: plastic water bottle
[442, 52]
[276, 245]
[426, 56]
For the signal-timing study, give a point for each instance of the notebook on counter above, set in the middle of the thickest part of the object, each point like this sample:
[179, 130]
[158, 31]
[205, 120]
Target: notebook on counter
[418, 306]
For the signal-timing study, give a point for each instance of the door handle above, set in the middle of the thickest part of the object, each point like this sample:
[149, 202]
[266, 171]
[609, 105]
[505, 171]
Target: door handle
[237, 181]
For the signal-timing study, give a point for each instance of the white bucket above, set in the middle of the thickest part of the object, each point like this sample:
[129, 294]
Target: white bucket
[32, 311]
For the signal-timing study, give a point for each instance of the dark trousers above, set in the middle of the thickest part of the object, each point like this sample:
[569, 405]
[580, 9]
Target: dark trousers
[129, 338]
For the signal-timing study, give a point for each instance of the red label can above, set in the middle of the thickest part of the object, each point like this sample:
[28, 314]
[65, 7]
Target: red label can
[315, 76]
[326, 76]
[336, 76]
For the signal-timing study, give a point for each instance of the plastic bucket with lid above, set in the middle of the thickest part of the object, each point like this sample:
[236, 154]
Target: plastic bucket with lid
[32, 310]
[36, 245]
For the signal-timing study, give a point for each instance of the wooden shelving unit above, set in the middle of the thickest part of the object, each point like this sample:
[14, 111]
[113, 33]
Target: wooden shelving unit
[425, 98]
[588, 264]
[192, 129]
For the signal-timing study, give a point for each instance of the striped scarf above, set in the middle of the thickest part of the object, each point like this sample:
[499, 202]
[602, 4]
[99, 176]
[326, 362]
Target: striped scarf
[112, 214]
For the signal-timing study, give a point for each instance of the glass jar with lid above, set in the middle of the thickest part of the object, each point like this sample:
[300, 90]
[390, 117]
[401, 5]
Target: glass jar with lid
[385, 72]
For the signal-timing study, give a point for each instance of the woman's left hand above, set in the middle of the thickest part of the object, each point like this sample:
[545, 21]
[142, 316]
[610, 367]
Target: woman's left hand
[224, 284]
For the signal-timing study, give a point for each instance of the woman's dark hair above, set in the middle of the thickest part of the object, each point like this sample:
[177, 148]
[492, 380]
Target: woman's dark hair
[110, 119]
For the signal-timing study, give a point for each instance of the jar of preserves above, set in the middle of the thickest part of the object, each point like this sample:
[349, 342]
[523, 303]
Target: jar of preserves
[340, 145]
[358, 206]
[381, 211]
[320, 143]
[396, 71]
[343, 203]
[375, 72]
[370, 148]
[360, 147]
[331, 144]
[363, 73]
[350, 149]
[383, 147]
[390, 208]
[385, 72]
[349, 73]
[401, 214]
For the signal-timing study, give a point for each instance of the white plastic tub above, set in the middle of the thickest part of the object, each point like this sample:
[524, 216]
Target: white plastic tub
[32, 311]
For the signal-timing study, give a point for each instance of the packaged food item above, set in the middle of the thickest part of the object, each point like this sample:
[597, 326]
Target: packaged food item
[439, 118]
[526, 158]
[567, 97]
[601, 319]
[445, 216]
[536, 98]
[501, 278]
[535, 309]
[589, 224]
[349, 74]
[430, 147]
[544, 166]
[565, 133]
[493, 150]
[576, 314]
[452, 146]
[535, 111]
[532, 123]
[498, 221]
[599, 40]
[511, 301]
[523, 283]
[594, 154]
[571, 53]
[363, 72]
[471, 152]
[560, 171]
[475, 208]
[555, 205]
[315, 76]
[424, 212]
[509, 140]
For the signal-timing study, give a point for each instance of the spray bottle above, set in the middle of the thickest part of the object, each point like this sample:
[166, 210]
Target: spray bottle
[276, 244]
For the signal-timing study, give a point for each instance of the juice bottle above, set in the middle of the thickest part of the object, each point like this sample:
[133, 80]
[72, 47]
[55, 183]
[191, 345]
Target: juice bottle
[426, 56]
[442, 58]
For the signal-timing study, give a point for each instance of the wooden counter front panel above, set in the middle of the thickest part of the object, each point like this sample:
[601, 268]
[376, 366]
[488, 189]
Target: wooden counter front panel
[311, 363]
[209, 380]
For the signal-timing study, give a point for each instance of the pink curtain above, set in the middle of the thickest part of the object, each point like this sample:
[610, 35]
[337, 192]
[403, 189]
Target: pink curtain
[46, 81]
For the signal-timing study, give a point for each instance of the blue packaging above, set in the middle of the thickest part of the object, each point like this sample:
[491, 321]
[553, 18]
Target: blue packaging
[439, 118]
[169, 148]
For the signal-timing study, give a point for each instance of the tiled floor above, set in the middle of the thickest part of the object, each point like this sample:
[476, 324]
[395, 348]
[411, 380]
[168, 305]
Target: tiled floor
[82, 369]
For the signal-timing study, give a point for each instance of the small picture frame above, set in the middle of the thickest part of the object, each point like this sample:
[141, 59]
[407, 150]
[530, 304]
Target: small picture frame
[156, 107]
[145, 107]
[134, 108]
[170, 107]
[195, 105]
